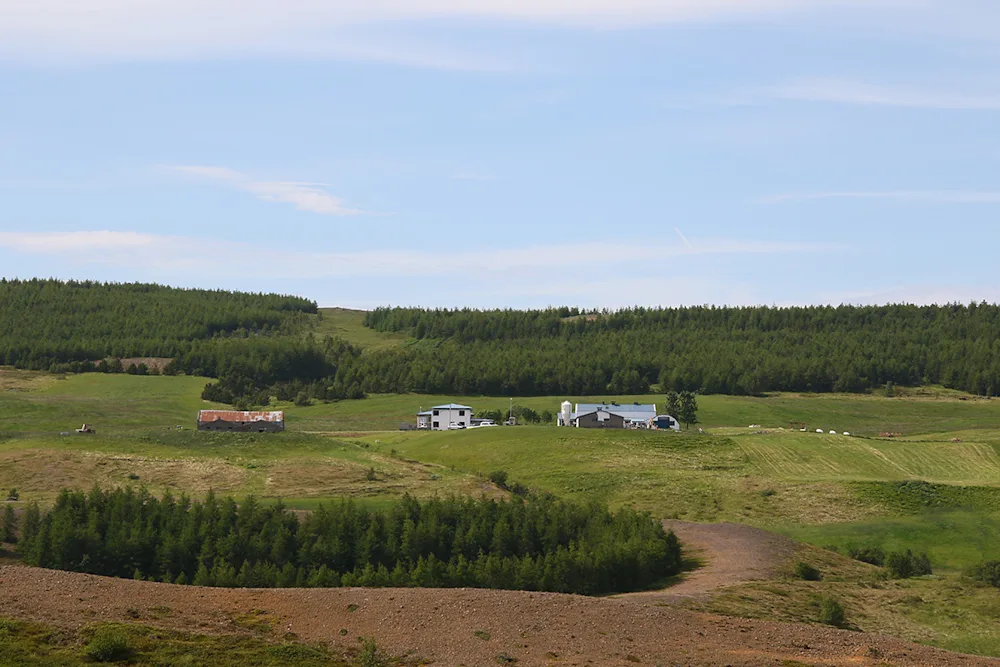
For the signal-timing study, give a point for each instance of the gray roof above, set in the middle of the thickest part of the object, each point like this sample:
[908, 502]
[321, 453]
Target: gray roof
[451, 406]
[424, 413]
[629, 411]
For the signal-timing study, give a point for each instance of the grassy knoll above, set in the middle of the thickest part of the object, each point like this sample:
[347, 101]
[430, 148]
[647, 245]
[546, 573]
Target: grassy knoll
[349, 325]
[943, 611]
[952, 539]
[137, 443]
[36, 403]
[24, 644]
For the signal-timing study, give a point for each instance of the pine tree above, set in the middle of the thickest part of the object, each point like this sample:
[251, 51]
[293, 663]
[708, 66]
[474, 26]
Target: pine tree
[673, 405]
[202, 576]
[689, 408]
[8, 530]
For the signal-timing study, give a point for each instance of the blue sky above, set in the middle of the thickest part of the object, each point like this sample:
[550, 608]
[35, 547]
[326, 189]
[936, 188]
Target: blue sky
[522, 153]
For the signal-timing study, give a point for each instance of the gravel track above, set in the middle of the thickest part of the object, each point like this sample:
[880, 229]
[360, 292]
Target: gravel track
[441, 625]
[731, 554]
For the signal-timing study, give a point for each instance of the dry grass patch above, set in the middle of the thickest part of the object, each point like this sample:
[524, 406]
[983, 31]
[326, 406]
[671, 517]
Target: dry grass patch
[14, 380]
[42, 473]
[305, 478]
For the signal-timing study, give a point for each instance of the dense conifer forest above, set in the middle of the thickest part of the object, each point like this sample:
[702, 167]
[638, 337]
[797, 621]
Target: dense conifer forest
[257, 345]
[251, 341]
[707, 349]
[542, 544]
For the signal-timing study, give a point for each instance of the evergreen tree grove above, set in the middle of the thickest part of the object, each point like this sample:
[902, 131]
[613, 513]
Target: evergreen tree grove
[545, 544]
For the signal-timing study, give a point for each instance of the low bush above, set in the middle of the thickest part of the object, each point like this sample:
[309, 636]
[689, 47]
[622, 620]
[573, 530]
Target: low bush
[906, 564]
[109, 644]
[870, 555]
[498, 477]
[987, 572]
[806, 571]
[831, 612]
[370, 656]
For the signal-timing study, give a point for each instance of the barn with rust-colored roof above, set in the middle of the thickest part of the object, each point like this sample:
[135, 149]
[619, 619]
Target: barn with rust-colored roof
[241, 421]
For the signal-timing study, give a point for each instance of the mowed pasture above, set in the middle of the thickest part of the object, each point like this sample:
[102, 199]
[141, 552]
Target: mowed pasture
[815, 457]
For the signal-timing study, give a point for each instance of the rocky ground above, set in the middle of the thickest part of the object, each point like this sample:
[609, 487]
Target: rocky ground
[458, 626]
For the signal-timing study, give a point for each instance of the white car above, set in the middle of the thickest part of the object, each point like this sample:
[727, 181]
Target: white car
[456, 427]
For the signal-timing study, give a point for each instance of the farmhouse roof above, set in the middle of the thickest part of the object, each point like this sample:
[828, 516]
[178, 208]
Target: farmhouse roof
[631, 412]
[206, 416]
[424, 413]
[451, 406]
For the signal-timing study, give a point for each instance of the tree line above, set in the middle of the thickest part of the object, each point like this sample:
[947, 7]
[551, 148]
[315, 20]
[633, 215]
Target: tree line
[728, 350]
[543, 544]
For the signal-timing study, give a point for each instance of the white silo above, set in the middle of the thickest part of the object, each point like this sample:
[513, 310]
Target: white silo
[567, 412]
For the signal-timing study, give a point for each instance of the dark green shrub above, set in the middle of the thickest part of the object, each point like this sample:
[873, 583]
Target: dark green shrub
[870, 555]
[806, 571]
[498, 477]
[13, 495]
[987, 573]
[109, 644]
[831, 612]
[906, 564]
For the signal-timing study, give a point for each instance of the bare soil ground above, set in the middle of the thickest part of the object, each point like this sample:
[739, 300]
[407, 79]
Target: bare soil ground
[459, 626]
[729, 554]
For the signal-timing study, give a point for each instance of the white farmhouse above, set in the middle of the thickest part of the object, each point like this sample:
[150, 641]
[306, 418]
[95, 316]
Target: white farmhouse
[445, 417]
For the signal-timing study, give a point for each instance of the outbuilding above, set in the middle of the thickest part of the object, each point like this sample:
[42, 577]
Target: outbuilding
[607, 415]
[241, 421]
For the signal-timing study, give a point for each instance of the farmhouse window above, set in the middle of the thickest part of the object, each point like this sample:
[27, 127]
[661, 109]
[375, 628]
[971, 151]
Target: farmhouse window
[435, 424]
[461, 413]
[435, 413]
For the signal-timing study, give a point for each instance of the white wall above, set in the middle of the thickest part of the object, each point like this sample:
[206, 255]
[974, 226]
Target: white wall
[444, 418]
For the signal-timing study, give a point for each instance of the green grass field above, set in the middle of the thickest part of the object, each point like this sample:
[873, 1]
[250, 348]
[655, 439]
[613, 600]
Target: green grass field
[349, 325]
[935, 489]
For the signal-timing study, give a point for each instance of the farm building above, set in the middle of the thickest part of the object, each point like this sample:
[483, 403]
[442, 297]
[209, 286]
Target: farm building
[241, 421]
[607, 415]
[445, 417]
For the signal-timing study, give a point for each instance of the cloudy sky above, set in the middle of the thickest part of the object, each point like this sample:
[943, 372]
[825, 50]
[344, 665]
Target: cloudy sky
[507, 152]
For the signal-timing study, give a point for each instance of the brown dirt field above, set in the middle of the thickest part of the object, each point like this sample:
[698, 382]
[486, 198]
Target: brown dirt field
[731, 554]
[460, 626]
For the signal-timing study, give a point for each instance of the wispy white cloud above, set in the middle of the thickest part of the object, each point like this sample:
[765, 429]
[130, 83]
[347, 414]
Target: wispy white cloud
[133, 250]
[842, 91]
[310, 197]
[901, 196]
[195, 28]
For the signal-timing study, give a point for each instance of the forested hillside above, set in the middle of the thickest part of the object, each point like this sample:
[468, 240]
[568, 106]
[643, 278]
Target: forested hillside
[257, 344]
[708, 349]
[251, 341]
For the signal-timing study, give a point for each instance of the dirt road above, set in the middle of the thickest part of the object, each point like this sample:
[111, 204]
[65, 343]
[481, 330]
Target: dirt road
[730, 554]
